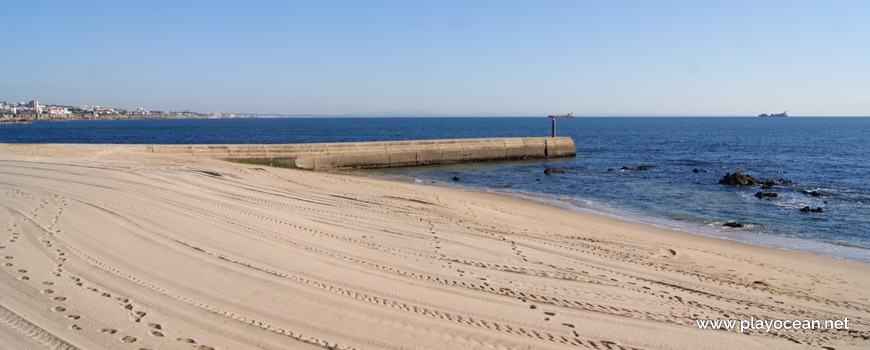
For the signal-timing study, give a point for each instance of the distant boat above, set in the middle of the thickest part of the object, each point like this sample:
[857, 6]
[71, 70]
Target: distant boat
[569, 115]
[777, 115]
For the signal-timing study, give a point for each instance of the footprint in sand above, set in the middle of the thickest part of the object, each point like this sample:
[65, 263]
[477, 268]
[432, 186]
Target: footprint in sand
[75, 327]
[109, 330]
[59, 298]
[155, 325]
[128, 339]
[156, 334]
[73, 317]
[24, 278]
[47, 291]
[186, 340]
[47, 283]
[59, 309]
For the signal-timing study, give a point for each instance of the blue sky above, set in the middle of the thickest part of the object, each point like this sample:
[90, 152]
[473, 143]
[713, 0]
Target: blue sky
[450, 57]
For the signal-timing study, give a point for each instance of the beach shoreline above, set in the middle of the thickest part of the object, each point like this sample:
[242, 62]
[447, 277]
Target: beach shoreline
[222, 254]
[812, 247]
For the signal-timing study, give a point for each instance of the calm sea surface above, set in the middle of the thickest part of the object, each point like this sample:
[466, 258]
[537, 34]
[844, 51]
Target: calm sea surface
[831, 155]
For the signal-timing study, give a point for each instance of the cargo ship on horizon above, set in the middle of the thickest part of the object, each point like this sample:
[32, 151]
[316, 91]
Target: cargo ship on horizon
[777, 115]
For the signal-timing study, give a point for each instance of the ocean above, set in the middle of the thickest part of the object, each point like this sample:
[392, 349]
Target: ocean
[830, 155]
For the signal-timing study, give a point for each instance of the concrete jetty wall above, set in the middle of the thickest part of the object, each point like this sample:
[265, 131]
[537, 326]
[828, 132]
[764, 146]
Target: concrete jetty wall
[349, 155]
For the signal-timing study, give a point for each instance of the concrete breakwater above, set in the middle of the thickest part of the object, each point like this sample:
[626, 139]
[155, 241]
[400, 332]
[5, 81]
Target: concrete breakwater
[383, 154]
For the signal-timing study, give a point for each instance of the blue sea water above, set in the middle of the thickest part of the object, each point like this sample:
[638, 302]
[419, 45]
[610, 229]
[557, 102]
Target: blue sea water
[828, 154]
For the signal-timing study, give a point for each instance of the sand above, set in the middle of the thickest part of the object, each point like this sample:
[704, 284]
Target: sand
[108, 248]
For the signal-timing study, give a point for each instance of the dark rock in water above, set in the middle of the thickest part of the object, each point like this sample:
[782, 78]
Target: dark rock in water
[807, 209]
[766, 195]
[640, 168]
[696, 170]
[738, 179]
[768, 184]
[537, 179]
[456, 178]
[814, 193]
[611, 169]
[549, 171]
[784, 181]
[734, 224]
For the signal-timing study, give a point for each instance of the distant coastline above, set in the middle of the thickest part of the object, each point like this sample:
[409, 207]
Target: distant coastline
[29, 112]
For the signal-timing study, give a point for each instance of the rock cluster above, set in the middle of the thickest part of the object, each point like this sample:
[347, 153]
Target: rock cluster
[549, 171]
[772, 183]
[738, 179]
[807, 209]
[766, 195]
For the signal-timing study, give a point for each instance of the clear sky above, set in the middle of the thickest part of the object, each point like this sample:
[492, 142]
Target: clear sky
[450, 57]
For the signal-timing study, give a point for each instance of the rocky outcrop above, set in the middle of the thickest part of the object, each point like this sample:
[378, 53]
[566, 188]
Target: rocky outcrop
[456, 178]
[766, 184]
[766, 195]
[814, 193]
[738, 179]
[807, 209]
[550, 171]
[735, 224]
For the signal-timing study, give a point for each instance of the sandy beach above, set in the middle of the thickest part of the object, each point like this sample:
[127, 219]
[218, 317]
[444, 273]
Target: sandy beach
[110, 248]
